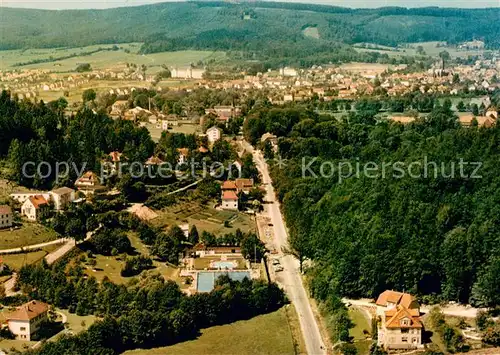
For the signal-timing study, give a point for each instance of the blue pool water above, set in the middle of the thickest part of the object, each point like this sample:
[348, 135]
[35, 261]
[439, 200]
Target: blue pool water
[223, 264]
[206, 279]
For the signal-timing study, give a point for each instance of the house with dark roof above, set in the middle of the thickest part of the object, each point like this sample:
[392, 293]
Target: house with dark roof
[25, 320]
[5, 216]
[398, 321]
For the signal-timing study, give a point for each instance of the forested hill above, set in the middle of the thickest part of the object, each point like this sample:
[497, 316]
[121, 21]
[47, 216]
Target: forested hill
[221, 25]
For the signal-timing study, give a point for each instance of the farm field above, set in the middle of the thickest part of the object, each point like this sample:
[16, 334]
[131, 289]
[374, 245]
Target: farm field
[269, 334]
[27, 234]
[127, 53]
[204, 218]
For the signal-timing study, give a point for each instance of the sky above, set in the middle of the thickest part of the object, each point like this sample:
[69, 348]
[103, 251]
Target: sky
[101, 4]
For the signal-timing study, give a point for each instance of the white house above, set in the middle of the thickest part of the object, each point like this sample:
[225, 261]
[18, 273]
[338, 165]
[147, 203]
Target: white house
[5, 216]
[89, 183]
[229, 200]
[34, 207]
[25, 321]
[183, 155]
[62, 197]
[214, 134]
[21, 197]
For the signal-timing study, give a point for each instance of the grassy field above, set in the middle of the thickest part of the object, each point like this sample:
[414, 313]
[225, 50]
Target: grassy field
[103, 59]
[268, 334]
[430, 49]
[360, 324]
[27, 234]
[20, 345]
[204, 218]
[187, 128]
[111, 266]
[16, 261]
[75, 323]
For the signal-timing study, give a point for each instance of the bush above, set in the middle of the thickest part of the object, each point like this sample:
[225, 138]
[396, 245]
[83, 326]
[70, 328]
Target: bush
[106, 241]
[135, 265]
[483, 320]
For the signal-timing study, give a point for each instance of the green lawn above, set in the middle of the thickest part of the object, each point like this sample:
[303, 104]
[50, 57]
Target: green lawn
[16, 261]
[103, 59]
[19, 345]
[27, 234]
[268, 334]
[111, 266]
[75, 323]
[204, 218]
[360, 324]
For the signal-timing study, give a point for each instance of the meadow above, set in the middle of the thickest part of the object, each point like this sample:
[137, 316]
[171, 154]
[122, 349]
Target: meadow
[273, 333]
[106, 59]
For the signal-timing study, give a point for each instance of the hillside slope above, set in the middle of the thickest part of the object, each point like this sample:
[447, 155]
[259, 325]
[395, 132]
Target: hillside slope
[221, 25]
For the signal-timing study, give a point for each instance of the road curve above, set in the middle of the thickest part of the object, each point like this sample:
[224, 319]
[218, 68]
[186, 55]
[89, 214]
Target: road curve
[291, 276]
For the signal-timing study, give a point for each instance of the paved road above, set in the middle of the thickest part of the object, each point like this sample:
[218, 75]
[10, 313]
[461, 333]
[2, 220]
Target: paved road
[32, 247]
[290, 277]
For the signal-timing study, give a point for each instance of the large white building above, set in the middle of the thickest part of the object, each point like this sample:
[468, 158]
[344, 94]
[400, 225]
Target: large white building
[25, 321]
[187, 73]
[214, 134]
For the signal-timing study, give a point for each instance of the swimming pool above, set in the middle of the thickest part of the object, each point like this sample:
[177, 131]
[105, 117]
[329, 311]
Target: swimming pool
[223, 264]
[206, 279]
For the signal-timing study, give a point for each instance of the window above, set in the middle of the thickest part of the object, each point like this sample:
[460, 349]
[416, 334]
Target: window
[404, 339]
[23, 329]
[404, 330]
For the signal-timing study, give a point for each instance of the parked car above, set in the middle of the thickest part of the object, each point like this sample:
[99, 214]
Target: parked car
[278, 268]
[276, 261]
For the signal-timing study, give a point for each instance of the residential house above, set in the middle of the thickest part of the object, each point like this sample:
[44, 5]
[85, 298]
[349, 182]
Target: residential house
[183, 155]
[6, 216]
[62, 197]
[271, 138]
[21, 197]
[214, 134]
[398, 321]
[244, 185]
[35, 207]
[113, 161]
[482, 121]
[229, 186]
[89, 184]
[118, 108]
[492, 112]
[229, 200]
[153, 160]
[25, 321]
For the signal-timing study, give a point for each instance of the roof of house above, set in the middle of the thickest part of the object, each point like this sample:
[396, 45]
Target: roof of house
[229, 185]
[4, 209]
[402, 119]
[399, 298]
[183, 151]
[88, 177]
[62, 191]
[28, 311]
[267, 136]
[203, 150]
[154, 161]
[115, 156]
[244, 183]
[466, 120]
[229, 195]
[37, 201]
[394, 317]
[214, 127]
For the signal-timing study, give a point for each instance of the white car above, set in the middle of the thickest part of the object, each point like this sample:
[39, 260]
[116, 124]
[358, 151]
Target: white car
[276, 261]
[278, 268]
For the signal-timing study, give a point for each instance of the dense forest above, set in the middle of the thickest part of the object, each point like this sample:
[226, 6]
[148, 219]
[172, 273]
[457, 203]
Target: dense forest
[272, 28]
[434, 236]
